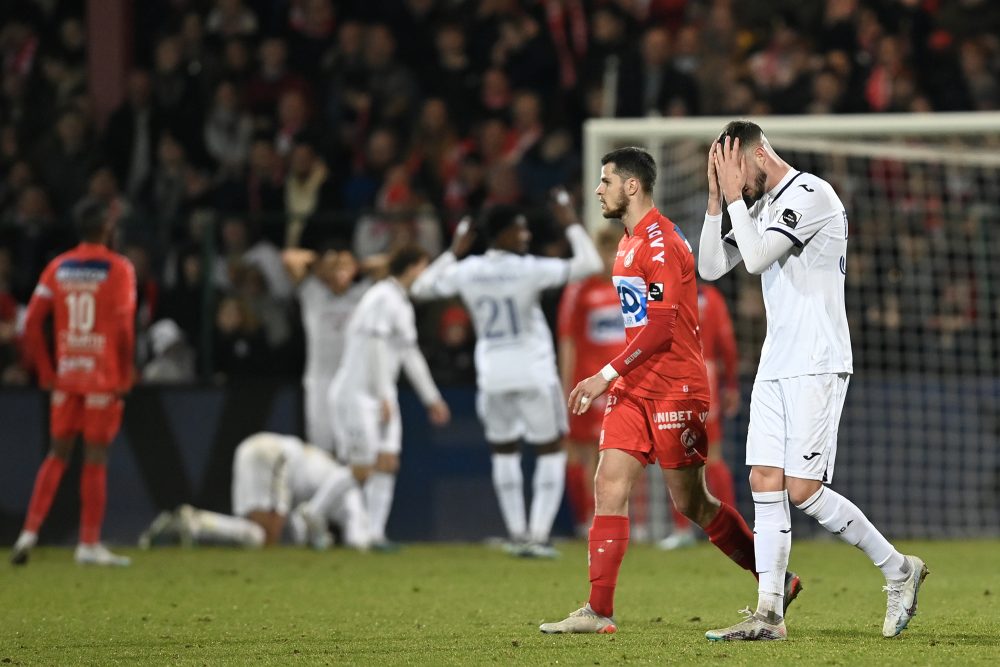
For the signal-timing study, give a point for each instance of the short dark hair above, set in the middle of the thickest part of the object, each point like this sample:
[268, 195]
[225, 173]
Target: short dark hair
[403, 258]
[496, 219]
[90, 216]
[633, 162]
[748, 132]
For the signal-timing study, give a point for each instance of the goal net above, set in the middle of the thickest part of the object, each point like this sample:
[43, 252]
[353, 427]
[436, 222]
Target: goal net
[919, 447]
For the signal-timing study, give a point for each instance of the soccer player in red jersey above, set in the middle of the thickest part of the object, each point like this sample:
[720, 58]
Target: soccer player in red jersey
[89, 292]
[659, 400]
[719, 346]
[590, 331]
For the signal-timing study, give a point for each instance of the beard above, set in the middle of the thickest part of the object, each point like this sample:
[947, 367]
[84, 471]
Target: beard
[618, 209]
[756, 190]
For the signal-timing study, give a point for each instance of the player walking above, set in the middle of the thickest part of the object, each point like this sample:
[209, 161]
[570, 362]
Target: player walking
[90, 294]
[381, 340]
[271, 474]
[719, 347]
[657, 408]
[590, 331]
[519, 390]
[327, 294]
[794, 234]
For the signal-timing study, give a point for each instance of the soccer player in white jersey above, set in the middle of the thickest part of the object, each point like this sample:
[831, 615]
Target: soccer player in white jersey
[271, 474]
[327, 293]
[381, 340]
[790, 227]
[520, 395]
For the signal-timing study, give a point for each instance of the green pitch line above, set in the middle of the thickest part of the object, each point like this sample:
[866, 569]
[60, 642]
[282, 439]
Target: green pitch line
[462, 605]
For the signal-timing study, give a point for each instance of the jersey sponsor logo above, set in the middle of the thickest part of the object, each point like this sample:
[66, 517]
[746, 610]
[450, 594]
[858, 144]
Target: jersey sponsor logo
[810, 456]
[843, 264]
[656, 291]
[806, 187]
[74, 364]
[629, 257]
[632, 295]
[790, 217]
[83, 271]
[689, 438]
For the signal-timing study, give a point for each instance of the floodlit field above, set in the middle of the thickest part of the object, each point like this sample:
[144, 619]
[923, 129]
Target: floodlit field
[460, 605]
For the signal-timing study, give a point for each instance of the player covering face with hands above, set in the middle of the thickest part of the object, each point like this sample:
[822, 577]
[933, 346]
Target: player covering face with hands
[790, 227]
[659, 394]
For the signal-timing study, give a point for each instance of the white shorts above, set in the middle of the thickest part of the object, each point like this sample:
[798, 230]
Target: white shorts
[319, 416]
[260, 477]
[360, 433]
[537, 415]
[794, 423]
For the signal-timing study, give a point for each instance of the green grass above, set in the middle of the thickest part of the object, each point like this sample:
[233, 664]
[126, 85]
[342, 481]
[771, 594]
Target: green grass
[461, 605]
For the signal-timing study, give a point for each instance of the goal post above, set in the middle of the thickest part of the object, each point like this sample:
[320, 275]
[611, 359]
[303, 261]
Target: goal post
[919, 445]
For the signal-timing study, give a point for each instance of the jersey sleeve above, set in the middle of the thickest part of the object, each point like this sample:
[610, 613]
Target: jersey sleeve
[802, 212]
[34, 344]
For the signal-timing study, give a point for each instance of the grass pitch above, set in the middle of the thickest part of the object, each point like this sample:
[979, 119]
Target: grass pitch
[462, 605]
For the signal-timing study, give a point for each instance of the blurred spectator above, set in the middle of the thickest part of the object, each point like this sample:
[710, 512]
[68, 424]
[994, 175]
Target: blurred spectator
[400, 219]
[451, 352]
[185, 301]
[250, 284]
[313, 23]
[65, 159]
[103, 186]
[391, 85]
[380, 153]
[650, 80]
[230, 18]
[293, 119]
[436, 151]
[550, 164]
[239, 348]
[11, 371]
[133, 133]
[172, 359]
[263, 193]
[452, 76]
[981, 83]
[273, 78]
[524, 54]
[309, 193]
[241, 247]
[228, 132]
[172, 190]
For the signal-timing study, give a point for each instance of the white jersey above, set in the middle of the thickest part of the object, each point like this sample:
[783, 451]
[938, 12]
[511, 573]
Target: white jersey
[382, 339]
[501, 290]
[324, 319]
[807, 331]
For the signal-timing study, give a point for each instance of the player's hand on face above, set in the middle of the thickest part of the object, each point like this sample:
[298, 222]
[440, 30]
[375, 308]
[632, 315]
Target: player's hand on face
[439, 413]
[583, 395]
[464, 237]
[713, 174]
[385, 411]
[731, 167]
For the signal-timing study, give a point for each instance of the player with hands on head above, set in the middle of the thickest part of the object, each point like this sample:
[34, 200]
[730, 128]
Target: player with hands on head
[381, 341]
[658, 404]
[89, 293]
[790, 227]
[520, 397]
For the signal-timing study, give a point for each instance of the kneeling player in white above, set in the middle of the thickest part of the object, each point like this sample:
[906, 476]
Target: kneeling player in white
[520, 394]
[381, 340]
[271, 474]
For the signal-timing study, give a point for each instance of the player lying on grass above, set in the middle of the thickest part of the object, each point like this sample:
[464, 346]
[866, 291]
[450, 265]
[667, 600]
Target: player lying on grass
[791, 228]
[271, 474]
[658, 404]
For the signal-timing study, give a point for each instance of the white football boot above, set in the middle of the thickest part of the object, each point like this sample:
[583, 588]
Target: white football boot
[754, 628]
[98, 554]
[583, 620]
[26, 541]
[901, 605]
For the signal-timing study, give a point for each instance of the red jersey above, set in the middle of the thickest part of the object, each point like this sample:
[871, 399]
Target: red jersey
[590, 315]
[717, 337]
[90, 292]
[654, 273]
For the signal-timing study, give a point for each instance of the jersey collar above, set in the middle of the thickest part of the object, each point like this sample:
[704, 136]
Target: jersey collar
[640, 227]
[785, 180]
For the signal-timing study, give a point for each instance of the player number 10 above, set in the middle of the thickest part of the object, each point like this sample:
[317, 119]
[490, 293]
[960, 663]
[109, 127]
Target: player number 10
[81, 311]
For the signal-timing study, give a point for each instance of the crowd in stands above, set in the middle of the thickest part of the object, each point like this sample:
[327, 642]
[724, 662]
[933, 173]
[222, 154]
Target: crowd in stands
[250, 126]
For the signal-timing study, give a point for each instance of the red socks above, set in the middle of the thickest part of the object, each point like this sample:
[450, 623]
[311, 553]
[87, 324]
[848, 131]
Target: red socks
[730, 533]
[608, 542]
[93, 499]
[719, 481]
[46, 485]
[581, 501]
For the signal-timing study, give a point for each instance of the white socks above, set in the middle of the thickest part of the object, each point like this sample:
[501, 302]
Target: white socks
[215, 528]
[772, 544]
[328, 495]
[547, 492]
[379, 489]
[843, 518]
[353, 519]
[508, 482]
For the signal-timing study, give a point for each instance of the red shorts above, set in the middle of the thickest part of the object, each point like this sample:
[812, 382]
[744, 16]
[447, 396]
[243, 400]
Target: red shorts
[97, 416]
[585, 429]
[671, 432]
